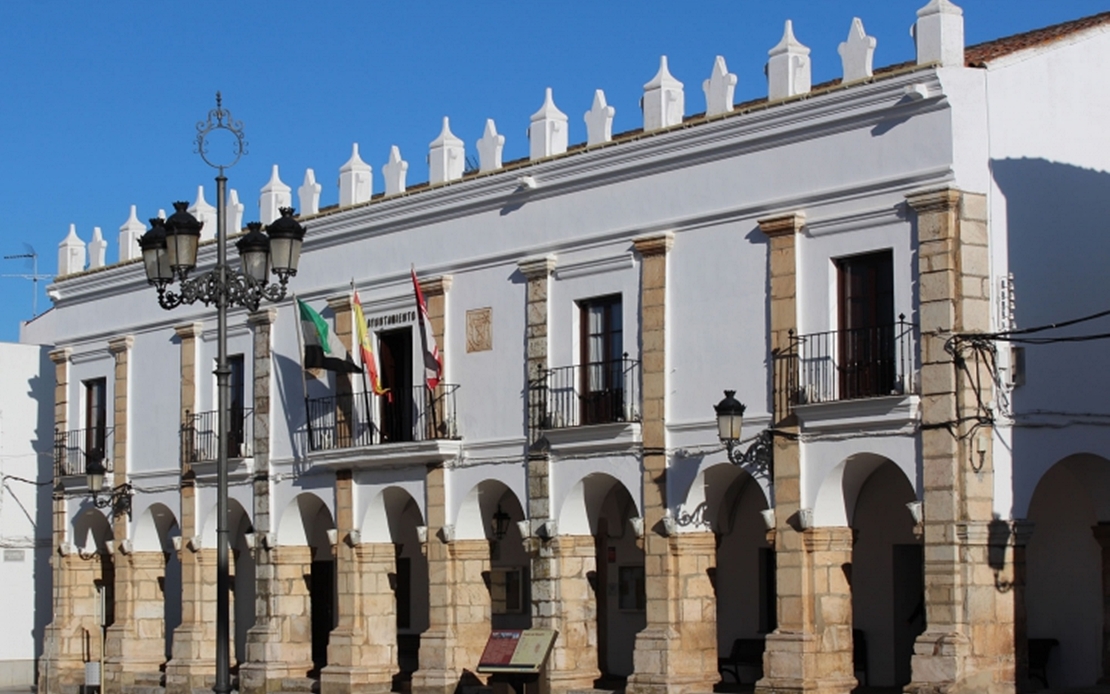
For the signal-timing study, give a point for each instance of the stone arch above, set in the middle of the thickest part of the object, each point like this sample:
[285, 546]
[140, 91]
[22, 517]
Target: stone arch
[305, 521]
[238, 525]
[580, 510]
[1091, 469]
[1065, 566]
[92, 532]
[383, 521]
[835, 505]
[155, 529]
[710, 501]
[473, 519]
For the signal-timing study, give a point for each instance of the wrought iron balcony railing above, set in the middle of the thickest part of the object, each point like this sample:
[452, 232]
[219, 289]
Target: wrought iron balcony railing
[594, 393]
[352, 420]
[75, 448]
[851, 364]
[200, 435]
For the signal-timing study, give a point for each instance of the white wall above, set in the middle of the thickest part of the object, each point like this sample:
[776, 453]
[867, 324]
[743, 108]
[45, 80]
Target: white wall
[26, 470]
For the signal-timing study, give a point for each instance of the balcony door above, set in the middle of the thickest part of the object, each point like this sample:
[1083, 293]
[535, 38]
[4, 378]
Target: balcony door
[395, 408]
[866, 336]
[602, 358]
[236, 407]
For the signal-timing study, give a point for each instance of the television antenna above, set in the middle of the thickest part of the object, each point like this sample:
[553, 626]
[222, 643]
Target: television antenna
[34, 276]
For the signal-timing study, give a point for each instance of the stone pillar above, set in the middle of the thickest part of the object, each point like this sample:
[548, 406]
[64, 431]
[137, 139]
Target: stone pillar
[672, 650]
[363, 645]
[61, 664]
[1102, 534]
[279, 645]
[435, 296]
[458, 600]
[969, 640]
[811, 650]
[192, 663]
[135, 649]
[127, 653]
[563, 600]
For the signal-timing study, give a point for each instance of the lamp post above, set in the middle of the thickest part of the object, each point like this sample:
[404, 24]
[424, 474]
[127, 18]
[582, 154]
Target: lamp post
[170, 253]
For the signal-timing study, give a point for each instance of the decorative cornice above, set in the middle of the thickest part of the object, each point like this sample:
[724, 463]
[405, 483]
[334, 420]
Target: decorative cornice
[936, 200]
[782, 225]
[827, 539]
[340, 302]
[189, 330]
[121, 344]
[595, 267]
[61, 355]
[656, 244]
[537, 268]
[436, 286]
[266, 316]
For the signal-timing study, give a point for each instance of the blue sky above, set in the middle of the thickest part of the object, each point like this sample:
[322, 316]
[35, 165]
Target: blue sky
[100, 99]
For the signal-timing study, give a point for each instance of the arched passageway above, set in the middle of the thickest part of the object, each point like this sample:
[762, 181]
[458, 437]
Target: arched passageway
[1064, 594]
[887, 575]
[155, 533]
[744, 581]
[601, 506]
[306, 568]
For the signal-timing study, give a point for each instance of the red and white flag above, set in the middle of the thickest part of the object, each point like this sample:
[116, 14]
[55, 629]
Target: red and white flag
[433, 365]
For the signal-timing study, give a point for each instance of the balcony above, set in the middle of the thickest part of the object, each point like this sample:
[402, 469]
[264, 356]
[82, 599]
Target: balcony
[852, 364]
[350, 421]
[850, 379]
[200, 436]
[588, 408]
[75, 448]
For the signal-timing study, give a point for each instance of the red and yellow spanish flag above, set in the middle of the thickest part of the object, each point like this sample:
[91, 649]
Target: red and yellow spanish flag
[365, 346]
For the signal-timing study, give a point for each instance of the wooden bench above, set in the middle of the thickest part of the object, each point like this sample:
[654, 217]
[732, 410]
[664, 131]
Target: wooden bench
[744, 653]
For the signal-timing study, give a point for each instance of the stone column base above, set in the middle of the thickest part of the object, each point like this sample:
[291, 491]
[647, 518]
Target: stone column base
[184, 677]
[658, 670]
[939, 662]
[119, 676]
[337, 679]
[793, 664]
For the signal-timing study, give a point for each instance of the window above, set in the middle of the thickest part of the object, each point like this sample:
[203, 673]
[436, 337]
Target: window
[866, 335]
[96, 419]
[602, 360]
[631, 593]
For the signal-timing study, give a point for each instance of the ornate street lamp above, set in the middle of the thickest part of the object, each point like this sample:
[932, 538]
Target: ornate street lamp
[170, 253]
[118, 498]
[730, 421]
[500, 525]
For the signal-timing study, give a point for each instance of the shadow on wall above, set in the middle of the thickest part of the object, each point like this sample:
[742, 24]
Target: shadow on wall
[41, 391]
[1058, 218]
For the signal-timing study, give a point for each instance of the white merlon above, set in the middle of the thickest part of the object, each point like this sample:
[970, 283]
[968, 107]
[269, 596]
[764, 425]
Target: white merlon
[599, 120]
[719, 89]
[857, 53]
[71, 253]
[547, 133]
[98, 249]
[490, 147]
[161, 214]
[309, 193]
[234, 213]
[788, 70]
[275, 195]
[129, 234]
[939, 34]
[664, 101]
[355, 180]
[446, 156]
[205, 214]
[394, 172]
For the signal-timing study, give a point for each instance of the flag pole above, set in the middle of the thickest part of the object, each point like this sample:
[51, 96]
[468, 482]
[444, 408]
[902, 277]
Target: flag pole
[362, 362]
[300, 355]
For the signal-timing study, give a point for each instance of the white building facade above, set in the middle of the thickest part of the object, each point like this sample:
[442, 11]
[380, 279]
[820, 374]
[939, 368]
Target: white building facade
[852, 259]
